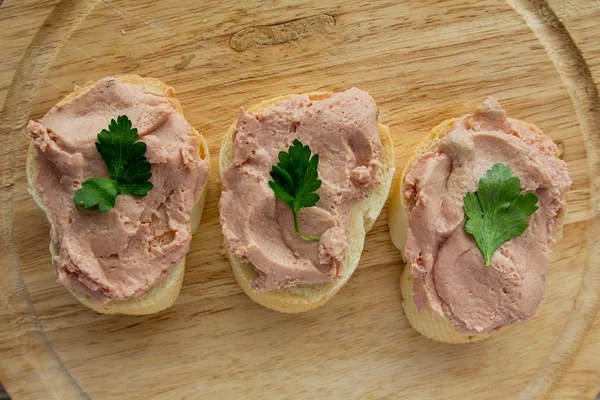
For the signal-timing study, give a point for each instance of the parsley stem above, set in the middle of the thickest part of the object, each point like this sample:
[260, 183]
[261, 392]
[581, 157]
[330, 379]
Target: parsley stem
[307, 238]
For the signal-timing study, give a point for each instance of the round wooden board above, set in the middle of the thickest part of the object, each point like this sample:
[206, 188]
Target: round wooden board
[422, 61]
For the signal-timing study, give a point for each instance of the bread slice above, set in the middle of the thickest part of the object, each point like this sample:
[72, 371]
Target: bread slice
[428, 323]
[162, 295]
[302, 298]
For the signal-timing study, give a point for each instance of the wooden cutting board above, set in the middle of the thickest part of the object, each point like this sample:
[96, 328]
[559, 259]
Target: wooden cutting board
[422, 61]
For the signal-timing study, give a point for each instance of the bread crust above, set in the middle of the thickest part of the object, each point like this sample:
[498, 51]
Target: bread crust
[163, 294]
[303, 298]
[427, 323]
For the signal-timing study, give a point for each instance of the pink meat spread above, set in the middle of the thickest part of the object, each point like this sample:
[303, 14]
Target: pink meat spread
[448, 268]
[258, 227]
[123, 253]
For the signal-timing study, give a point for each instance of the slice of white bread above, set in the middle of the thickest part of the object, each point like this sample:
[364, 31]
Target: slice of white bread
[302, 298]
[163, 294]
[428, 323]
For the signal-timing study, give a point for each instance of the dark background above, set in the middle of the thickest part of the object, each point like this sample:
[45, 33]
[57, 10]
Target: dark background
[3, 395]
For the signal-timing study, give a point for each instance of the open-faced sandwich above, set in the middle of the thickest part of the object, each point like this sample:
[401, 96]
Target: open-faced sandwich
[304, 178]
[121, 176]
[475, 213]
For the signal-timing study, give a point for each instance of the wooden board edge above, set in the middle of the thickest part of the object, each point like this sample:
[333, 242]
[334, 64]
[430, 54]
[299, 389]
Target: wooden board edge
[29, 366]
[576, 76]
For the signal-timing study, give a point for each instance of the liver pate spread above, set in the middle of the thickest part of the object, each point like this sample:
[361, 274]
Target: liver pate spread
[448, 268]
[258, 227]
[122, 253]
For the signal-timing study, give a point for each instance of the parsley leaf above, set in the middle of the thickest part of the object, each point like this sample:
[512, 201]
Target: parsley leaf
[96, 194]
[295, 179]
[127, 167]
[496, 212]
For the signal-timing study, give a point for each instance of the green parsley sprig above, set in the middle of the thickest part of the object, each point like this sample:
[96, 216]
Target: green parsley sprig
[496, 212]
[128, 169]
[295, 179]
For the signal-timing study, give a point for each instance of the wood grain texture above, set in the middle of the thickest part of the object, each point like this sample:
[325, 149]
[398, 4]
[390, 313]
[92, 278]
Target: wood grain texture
[575, 16]
[423, 61]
